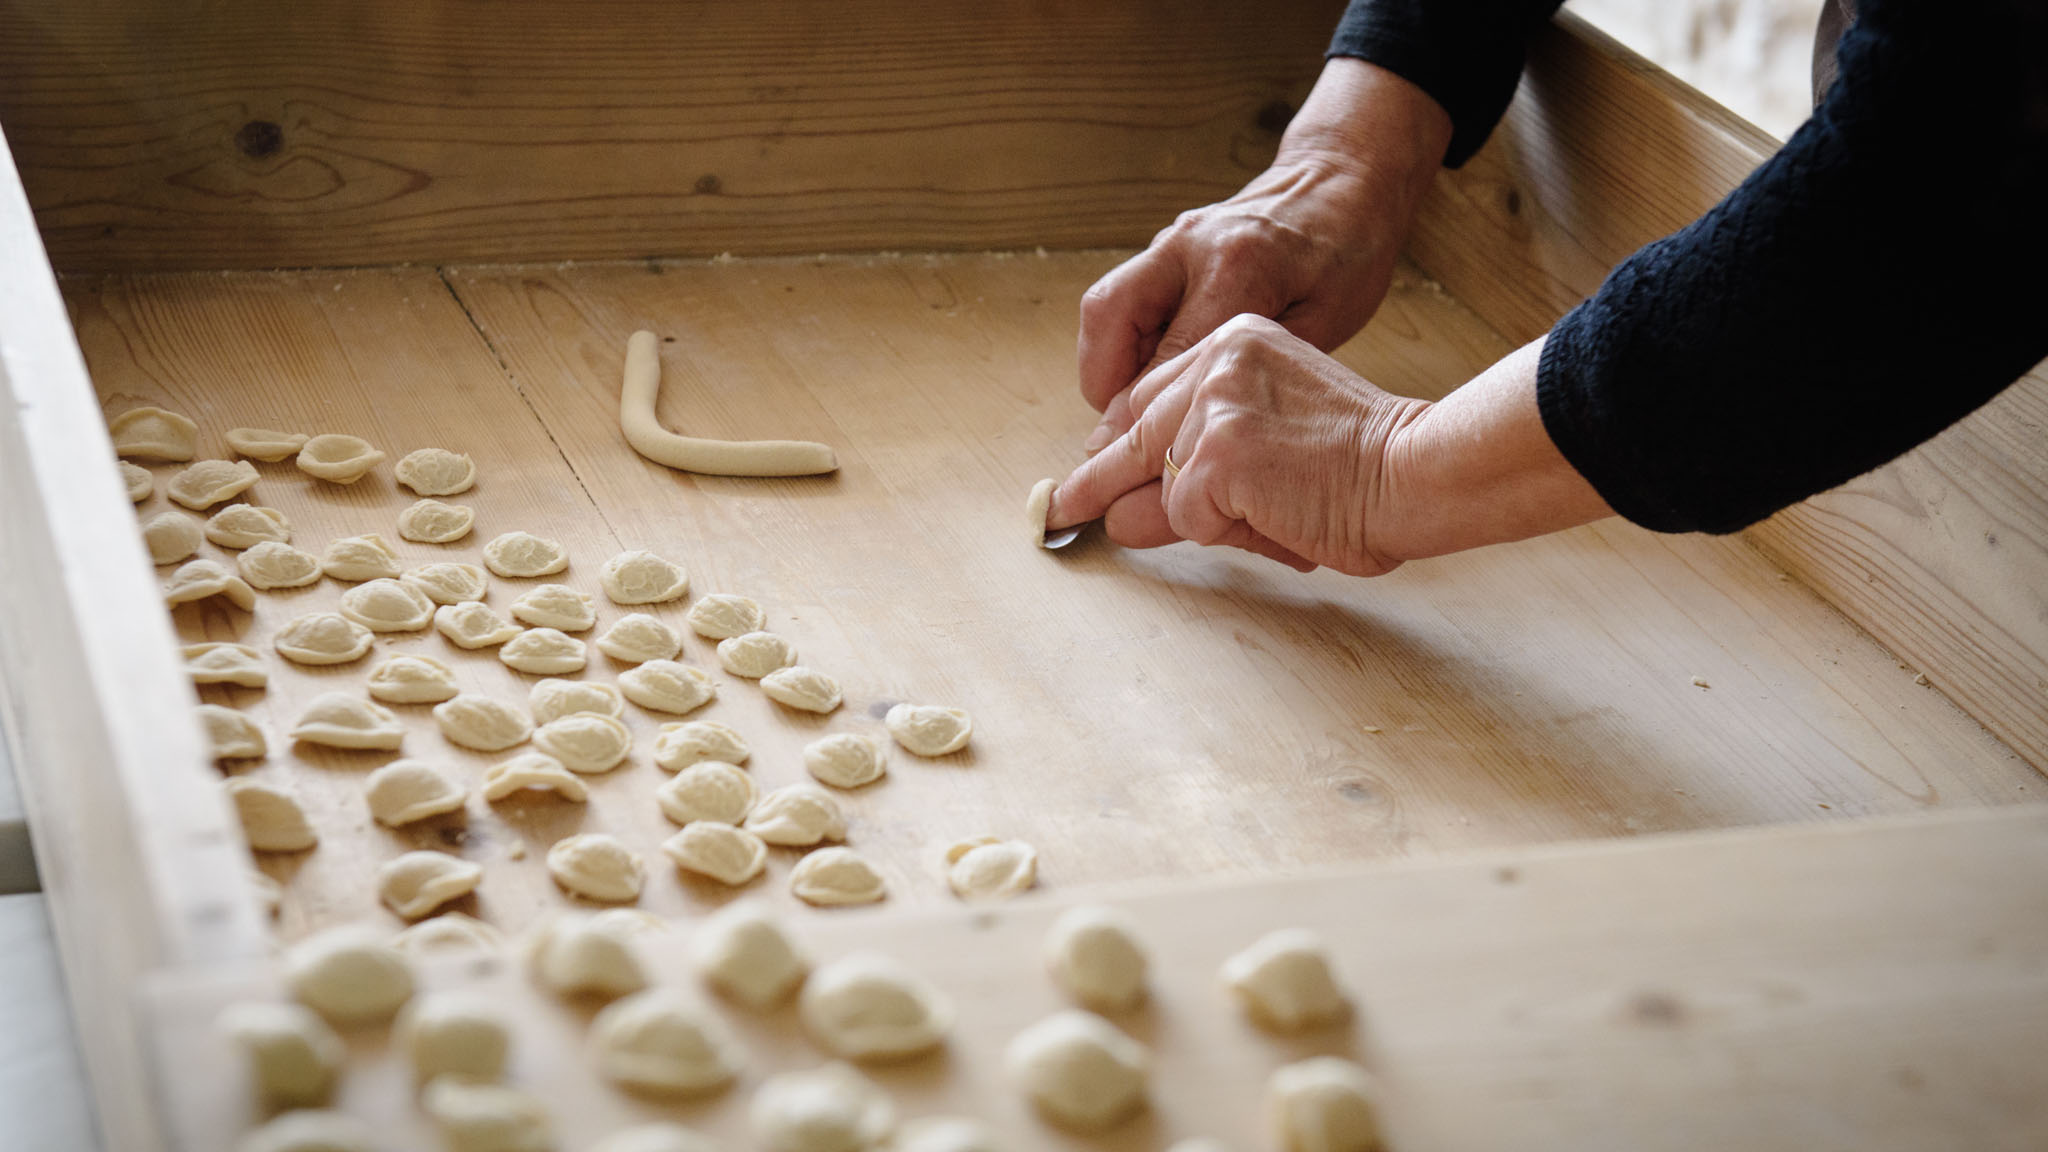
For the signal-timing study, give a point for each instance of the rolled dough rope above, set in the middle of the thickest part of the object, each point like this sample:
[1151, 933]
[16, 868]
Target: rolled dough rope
[710, 457]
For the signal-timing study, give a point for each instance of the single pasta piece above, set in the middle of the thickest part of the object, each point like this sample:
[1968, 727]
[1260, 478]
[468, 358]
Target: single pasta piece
[477, 1117]
[929, 730]
[220, 662]
[264, 444]
[868, 1007]
[171, 536]
[244, 525]
[348, 975]
[432, 522]
[755, 654]
[232, 735]
[1035, 506]
[1323, 1104]
[272, 820]
[406, 791]
[828, 1109]
[407, 679]
[473, 625]
[449, 932]
[641, 577]
[271, 564]
[945, 1134]
[578, 955]
[726, 854]
[203, 579]
[657, 1137]
[1093, 953]
[681, 745]
[436, 472]
[416, 883]
[387, 605]
[745, 952]
[707, 790]
[797, 816]
[311, 1130]
[320, 638]
[137, 480]
[294, 1057]
[365, 557]
[986, 868]
[339, 720]
[1285, 981]
[533, 772]
[637, 637]
[448, 582]
[543, 652]
[202, 485]
[456, 1034]
[154, 434]
[337, 458]
[831, 877]
[596, 866]
[1079, 1070]
[482, 723]
[721, 617]
[663, 1043]
[711, 457]
[517, 555]
[668, 686]
[845, 760]
[556, 606]
[801, 688]
[585, 742]
[553, 699]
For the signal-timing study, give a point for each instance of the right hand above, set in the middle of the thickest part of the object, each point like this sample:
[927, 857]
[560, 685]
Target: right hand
[1311, 242]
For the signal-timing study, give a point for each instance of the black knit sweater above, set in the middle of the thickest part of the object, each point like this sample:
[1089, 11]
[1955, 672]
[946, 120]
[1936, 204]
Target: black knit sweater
[1885, 273]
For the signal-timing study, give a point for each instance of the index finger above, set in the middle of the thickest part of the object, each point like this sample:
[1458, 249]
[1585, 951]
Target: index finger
[1131, 461]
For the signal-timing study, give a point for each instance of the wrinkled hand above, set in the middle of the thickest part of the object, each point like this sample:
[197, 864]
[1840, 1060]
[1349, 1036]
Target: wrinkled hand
[1311, 242]
[1282, 451]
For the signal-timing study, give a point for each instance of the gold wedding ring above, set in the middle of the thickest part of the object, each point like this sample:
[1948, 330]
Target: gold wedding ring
[1172, 469]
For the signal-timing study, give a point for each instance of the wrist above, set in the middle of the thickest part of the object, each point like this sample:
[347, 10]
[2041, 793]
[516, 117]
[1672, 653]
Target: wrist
[1369, 118]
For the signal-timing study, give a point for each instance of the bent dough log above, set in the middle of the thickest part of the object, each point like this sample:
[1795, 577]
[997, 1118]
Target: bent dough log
[711, 457]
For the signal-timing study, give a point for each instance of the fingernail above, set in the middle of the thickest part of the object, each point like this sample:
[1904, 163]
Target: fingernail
[1098, 439]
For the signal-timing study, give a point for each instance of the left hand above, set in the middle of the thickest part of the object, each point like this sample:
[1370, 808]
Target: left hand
[1281, 451]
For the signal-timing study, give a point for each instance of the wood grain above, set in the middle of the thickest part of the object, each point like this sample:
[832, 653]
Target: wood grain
[160, 135]
[1803, 990]
[1943, 554]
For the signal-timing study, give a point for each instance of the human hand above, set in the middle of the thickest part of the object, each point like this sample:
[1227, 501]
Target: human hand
[1282, 451]
[1311, 242]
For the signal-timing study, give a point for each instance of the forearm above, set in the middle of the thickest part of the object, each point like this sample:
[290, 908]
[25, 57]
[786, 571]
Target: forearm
[1370, 121]
[1478, 468]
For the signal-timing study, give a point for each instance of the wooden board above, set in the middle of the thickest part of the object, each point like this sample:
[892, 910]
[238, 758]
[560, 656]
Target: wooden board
[1139, 715]
[1942, 555]
[159, 135]
[1803, 990]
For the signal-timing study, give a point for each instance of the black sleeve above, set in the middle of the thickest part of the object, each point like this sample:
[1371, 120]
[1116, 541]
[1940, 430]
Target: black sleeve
[1872, 283]
[1467, 54]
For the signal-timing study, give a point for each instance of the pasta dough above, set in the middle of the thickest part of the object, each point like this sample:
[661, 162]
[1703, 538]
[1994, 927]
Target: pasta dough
[244, 525]
[1079, 1070]
[929, 730]
[154, 434]
[416, 883]
[543, 652]
[662, 1043]
[407, 791]
[576, 955]
[755, 654]
[597, 866]
[1094, 955]
[454, 1034]
[320, 638]
[449, 583]
[845, 760]
[1285, 981]
[637, 637]
[986, 868]
[1323, 1104]
[412, 680]
[482, 723]
[436, 472]
[522, 554]
[432, 522]
[868, 1007]
[745, 952]
[219, 662]
[137, 481]
[272, 820]
[797, 816]
[585, 742]
[831, 877]
[339, 720]
[477, 1117]
[556, 606]
[294, 1057]
[805, 689]
[203, 579]
[365, 557]
[668, 686]
[533, 771]
[348, 976]
[171, 536]
[202, 485]
[644, 432]
[707, 790]
[337, 458]
[828, 1109]
[271, 564]
[726, 854]
[721, 617]
[680, 745]
[641, 577]
[230, 735]
[387, 605]
[264, 444]
[550, 700]
[473, 625]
